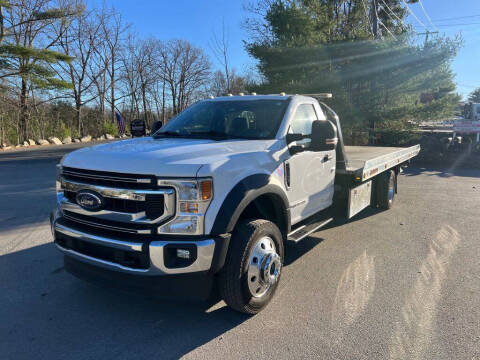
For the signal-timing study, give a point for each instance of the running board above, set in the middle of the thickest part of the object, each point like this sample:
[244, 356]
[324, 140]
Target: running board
[305, 230]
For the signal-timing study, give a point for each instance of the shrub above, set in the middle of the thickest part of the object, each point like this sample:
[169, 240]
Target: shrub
[110, 128]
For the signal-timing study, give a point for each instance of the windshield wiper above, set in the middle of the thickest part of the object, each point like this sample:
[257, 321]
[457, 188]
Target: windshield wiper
[166, 134]
[215, 135]
[212, 133]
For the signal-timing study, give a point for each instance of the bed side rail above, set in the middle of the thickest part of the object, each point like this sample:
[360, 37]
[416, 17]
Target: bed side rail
[379, 164]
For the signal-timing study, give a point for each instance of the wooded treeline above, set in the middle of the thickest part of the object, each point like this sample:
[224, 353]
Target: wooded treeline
[65, 70]
[382, 74]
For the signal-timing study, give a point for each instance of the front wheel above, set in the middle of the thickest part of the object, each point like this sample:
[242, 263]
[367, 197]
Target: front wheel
[253, 266]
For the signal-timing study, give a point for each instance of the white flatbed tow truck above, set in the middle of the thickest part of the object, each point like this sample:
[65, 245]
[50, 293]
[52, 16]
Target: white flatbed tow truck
[213, 196]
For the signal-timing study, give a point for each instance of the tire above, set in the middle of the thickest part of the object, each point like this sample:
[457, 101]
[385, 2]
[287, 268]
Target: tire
[386, 190]
[256, 251]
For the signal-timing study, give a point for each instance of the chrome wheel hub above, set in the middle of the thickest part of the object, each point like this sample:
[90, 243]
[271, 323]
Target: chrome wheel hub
[391, 190]
[264, 267]
[271, 268]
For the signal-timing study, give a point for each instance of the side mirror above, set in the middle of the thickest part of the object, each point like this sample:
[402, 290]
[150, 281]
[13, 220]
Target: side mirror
[155, 126]
[294, 137]
[324, 136]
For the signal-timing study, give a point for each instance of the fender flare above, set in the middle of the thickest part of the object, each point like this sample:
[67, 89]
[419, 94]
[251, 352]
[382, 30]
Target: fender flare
[241, 195]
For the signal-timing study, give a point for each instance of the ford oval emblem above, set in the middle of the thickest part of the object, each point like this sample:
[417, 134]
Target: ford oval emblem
[89, 200]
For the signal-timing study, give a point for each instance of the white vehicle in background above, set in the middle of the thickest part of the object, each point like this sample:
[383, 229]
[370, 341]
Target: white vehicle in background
[470, 124]
[214, 195]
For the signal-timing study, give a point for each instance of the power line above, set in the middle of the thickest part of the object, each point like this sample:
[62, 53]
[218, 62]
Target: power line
[457, 18]
[413, 14]
[376, 21]
[368, 19]
[470, 86]
[388, 14]
[426, 15]
[381, 23]
[395, 15]
[464, 24]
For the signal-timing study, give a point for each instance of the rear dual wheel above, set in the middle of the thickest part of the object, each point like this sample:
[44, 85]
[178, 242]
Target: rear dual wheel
[253, 266]
[386, 189]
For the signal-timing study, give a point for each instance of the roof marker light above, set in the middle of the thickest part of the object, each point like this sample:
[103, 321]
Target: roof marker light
[240, 94]
[282, 93]
[254, 93]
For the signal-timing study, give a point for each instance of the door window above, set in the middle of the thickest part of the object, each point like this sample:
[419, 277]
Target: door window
[302, 122]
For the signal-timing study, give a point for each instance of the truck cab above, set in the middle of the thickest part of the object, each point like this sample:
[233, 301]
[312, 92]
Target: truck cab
[471, 111]
[213, 196]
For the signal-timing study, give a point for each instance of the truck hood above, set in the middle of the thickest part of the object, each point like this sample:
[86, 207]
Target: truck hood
[162, 157]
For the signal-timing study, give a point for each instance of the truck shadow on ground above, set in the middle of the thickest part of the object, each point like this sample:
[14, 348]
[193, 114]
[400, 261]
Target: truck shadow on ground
[26, 201]
[440, 171]
[49, 312]
[295, 251]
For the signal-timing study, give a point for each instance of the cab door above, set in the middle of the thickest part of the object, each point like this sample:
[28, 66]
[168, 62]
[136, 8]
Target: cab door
[311, 173]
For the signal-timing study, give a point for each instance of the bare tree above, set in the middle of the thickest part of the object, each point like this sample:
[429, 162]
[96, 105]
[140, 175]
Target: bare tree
[99, 63]
[186, 69]
[54, 65]
[79, 39]
[146, 66]
[218, 83]
[219, 47]
[225, 81]
[114, 30]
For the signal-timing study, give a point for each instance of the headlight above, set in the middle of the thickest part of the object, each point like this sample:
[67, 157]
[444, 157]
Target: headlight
[193, 199]
[58, 178]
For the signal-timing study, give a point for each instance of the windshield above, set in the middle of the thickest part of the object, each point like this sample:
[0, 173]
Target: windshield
[248, 119]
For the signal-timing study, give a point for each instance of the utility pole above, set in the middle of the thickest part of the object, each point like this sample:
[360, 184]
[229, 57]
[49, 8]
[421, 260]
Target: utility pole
[373, 85]
[374, 17]
[163, 94]
[426, 35]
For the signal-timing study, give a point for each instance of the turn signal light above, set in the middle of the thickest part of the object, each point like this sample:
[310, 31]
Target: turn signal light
[189, 207]
[206, 189]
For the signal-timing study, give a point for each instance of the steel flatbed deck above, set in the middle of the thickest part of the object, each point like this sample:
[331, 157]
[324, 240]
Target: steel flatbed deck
[364, 162]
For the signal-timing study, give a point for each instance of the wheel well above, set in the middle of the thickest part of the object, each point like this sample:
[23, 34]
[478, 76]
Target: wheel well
[269, 207]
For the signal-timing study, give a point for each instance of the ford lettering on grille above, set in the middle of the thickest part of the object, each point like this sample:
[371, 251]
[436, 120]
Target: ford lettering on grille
[89, 200]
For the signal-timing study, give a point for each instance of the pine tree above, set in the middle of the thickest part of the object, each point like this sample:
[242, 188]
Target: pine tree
[474, 96]
[328, 46]
[21, 25]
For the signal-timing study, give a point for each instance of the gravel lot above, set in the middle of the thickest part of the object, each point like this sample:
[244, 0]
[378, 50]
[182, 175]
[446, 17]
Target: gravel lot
[400, 284]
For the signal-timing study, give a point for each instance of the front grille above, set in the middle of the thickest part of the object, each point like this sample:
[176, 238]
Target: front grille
[130, 259]
[75, 223]
[110, 179]
[154, 206]
[132, 204]
[108, 225]
[119, 205]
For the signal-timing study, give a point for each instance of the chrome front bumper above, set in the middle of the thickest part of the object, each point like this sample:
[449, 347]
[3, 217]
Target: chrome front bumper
[203, 261]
